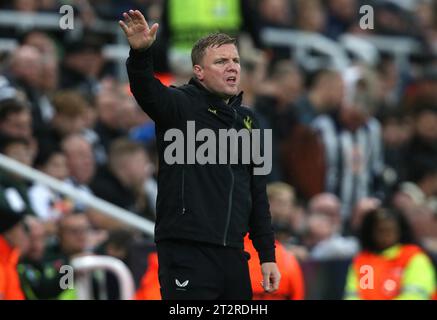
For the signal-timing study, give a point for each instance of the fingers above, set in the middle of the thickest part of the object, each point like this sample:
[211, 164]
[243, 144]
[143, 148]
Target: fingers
[276, 280]
[127, 18]
[123, 26]
[138, 18]
[271, 281]
[266, 282]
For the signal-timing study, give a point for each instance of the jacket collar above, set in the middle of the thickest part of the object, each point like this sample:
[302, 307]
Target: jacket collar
[234, 101]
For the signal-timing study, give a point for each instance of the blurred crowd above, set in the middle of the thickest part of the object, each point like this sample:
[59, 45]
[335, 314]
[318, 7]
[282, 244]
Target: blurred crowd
[345, 142]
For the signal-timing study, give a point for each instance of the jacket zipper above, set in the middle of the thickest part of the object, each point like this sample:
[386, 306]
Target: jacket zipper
[231, 190]
[183, 190]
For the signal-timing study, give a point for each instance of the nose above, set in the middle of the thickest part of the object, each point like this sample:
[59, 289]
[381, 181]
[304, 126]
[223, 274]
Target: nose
[233, 67]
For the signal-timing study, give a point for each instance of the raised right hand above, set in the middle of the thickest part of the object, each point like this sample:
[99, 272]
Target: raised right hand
[137, 31]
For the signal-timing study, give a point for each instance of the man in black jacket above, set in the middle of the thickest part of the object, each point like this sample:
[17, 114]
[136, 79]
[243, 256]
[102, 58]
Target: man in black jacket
[204, 210]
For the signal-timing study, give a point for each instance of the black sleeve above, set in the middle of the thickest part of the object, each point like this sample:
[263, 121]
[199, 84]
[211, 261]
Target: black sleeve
[260, 224]
[163, 104]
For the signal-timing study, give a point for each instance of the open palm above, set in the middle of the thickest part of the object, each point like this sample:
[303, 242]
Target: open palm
[137, 30]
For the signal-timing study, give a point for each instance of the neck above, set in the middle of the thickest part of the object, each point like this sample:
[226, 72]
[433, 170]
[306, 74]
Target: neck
[225, 98]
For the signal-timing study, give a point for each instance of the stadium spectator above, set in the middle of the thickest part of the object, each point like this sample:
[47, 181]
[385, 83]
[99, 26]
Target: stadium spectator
[278, 15]
[337, 245]
[352, 143]
[274, 103]
[109, 124]
[19, 150]
[328, 204]
[417, 199]
[324, 95]
[312, 16]
[423, 143]
[49, 80]
[25, 71]
[303, 151]
[47, 204]
[288, 219]
[15, 119]
[82, 167]
[324, 242]
[82, 65]
[39, 279]
[72, 238]
[80, 159]
[393, 80]
[122, 180]
[397, 131]
[118, 245]
[69, 117]
[342, 17]
[390, 265]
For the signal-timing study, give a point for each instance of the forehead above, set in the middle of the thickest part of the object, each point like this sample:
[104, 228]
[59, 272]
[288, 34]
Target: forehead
[24, 113]
[226, 50]
[73, 220]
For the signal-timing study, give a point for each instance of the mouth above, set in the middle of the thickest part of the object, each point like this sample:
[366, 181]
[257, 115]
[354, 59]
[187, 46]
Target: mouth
[232, 81]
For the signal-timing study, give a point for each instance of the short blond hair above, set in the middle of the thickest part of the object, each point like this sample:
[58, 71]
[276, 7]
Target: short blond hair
[213, 40]
[275, 188]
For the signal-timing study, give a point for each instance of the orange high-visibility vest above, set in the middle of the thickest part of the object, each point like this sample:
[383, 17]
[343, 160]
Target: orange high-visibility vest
[150, 288]
[10, 288]
[291, 286]
[387, 273]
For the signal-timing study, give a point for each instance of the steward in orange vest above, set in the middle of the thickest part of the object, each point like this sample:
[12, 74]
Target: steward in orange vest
[12, 238]
[149, 288]
[389, 266]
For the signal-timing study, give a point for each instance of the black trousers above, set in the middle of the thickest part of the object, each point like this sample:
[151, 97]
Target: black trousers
[196, 271]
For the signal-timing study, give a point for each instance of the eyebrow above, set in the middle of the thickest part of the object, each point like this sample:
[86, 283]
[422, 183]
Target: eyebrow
[225, 58]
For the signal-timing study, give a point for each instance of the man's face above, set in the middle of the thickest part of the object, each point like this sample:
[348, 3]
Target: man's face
[56, 166]
[219, 70]
[37, 240]
[18, 124]
[80, 160]
[281, 206]
[73, 234]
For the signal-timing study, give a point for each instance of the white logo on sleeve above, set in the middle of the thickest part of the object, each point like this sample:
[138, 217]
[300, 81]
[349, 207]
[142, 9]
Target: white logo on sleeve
[182, 285]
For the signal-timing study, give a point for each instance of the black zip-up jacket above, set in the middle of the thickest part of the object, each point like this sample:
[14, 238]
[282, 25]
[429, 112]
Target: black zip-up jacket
[212, 203]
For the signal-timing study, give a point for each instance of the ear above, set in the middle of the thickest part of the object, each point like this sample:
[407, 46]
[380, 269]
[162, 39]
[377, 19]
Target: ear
[198, 72]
